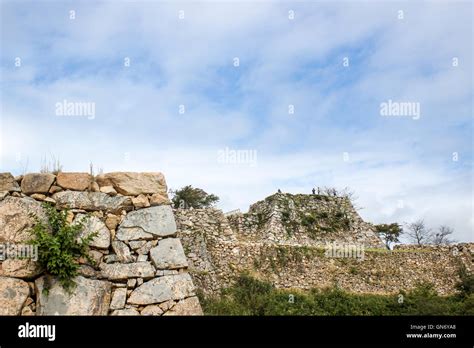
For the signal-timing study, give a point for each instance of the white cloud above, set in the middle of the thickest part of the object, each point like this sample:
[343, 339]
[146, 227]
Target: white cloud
[283, 62]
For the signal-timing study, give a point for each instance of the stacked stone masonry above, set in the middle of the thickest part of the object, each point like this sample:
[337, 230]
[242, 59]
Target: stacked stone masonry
[140, 267]
[283, 240]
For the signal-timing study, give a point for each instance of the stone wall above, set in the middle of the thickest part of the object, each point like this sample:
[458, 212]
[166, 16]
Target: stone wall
[220, 247]
[139, 263]
[304, 220]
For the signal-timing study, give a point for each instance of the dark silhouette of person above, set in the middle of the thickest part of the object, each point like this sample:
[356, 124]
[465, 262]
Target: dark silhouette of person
[314, 191]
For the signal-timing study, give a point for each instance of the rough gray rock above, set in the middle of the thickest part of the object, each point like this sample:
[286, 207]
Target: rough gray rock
[145, 249]
[123, 271]
[168, 254]
[89, 297]
[13, 294]
[91, 201]
[15, 221]
[133, 233]
[94, 224]
[8, 183]
[122, 251]
[118, 298]
[173, 287]
[15, 226]
[157, 220]
[37, 183]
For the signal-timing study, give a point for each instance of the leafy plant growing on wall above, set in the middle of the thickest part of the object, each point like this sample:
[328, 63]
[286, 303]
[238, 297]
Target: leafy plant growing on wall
[59, 247]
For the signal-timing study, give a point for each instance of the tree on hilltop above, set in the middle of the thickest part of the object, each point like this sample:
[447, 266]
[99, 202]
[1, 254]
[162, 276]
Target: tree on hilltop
[190, 197]
[389, 233]
[441, 237]
[418, 233]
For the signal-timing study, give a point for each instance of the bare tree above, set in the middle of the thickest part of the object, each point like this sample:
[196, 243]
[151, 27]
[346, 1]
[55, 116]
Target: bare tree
[418, 233]
[441, 237]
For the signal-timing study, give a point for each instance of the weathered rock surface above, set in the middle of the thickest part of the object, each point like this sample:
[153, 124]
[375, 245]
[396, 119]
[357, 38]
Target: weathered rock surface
[152, 310]
[134, 184]
[118, 298]
[74, 181]
[91, 201]
[112, 221]
[132, 233]
[37, 183]
[122, 251]
[159, 199]
[173, 287]
[19, 268]
[187, 306]
[158, 221]
[90, 297]
[168, 254]
[13, 294]
[122, 271]
[94, 224]
[8, 183]
[108, 190]
[126, 311]
[15, 221]
[127, 228]
[140, 202]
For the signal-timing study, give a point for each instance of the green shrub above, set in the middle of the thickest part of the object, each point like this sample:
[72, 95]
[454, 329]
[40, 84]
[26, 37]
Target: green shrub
[466, 285]
[308, 220]
[193, 197]
[58, 245]
[249, 296]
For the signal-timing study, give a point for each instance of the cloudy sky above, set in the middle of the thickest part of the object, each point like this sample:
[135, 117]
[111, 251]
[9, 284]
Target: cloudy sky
[298, 86]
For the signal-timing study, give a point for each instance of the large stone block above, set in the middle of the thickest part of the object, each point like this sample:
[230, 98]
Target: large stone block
[91, 201]
[8, 183]
[20, 268]
[37, 183]
[89, 297]
[122, 271]
[118, 299]
[15, 221]
[172, 287]
[74, 181]
[158, 221]
[134, 184]
[13, 294]
[168, 254]
[94, 224]
[132, 233]
[15, 226]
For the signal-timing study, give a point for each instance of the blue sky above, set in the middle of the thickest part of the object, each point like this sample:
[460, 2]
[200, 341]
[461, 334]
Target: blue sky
[400, 168]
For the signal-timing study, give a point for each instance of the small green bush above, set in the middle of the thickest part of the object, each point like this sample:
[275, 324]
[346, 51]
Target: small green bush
[466, 285]
[250, 296]
[308, 220]
[58, 245]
